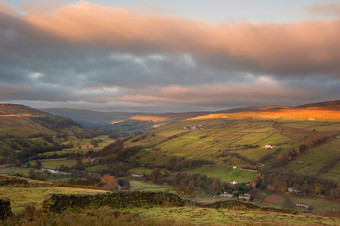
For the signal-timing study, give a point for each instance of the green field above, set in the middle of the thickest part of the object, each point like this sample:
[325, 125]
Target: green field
[288, 201]
[145, 186]
[56, 163]
[314, 159]
[225, 173]
[81, 146]
[334, 172]
[141, 171]
[17, 170]
[211, 137]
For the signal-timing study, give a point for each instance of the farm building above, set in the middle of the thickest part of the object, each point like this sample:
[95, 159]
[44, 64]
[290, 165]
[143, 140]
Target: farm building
[244, 197]
[134, 175]
[302, 205]
[226, 194]
[233, 182]
[291, 190]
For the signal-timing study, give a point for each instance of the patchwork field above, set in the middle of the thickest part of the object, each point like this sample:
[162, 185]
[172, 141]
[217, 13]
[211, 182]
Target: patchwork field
[313, 160]
[225, 173]
[288, 201]
[217, 139]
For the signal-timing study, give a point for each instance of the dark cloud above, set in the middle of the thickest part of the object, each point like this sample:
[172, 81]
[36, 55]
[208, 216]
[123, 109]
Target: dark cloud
[113, 58]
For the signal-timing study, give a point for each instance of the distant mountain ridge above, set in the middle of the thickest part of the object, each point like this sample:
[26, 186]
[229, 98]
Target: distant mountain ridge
[89, 117]
[97, 118]
[17, 109]
[130, 123]
[334, 104]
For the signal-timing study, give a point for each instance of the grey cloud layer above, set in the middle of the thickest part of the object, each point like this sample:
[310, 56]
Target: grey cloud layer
[40, 66]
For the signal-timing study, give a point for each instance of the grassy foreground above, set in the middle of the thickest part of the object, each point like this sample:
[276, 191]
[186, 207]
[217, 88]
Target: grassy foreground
[231, 216]
[168, 216]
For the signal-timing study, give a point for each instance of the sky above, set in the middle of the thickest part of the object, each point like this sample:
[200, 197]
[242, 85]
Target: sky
[168, 56]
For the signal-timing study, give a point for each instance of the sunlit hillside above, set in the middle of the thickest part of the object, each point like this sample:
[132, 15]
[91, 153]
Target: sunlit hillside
[297, 114]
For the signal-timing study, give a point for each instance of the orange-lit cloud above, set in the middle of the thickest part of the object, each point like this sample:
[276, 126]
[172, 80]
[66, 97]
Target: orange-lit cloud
[304, 47]
[218, 95]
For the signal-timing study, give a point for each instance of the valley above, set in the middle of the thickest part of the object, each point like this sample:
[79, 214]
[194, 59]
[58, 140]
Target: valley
[279, 156]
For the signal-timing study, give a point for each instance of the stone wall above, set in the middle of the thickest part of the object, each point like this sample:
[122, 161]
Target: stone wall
[123, 199]
[5, 208]
[126, 199]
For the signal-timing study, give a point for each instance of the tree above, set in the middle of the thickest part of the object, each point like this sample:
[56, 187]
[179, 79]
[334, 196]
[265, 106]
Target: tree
[305, 187]
[110, 182]
[155, 175]
[94, 142]
[79, 165]
[38, 164]
[280, 184]
[33, 175]
[124, 183]
[187, 191]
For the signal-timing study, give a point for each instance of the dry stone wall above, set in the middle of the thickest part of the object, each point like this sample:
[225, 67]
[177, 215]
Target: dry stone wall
[126, 199]
[123, 199]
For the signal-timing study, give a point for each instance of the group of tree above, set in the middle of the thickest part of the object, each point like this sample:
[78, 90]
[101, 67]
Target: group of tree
[280, 179]
[198, 182]
[181, 163]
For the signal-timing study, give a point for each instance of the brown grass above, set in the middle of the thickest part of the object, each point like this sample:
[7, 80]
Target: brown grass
[115, 122]
[314, 114]
[102, 216]
[148, 118]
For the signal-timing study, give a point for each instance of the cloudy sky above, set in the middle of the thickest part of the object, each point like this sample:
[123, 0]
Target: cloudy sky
[157, 56]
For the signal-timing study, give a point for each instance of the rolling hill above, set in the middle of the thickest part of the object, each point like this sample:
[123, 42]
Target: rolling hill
[122, 123]
[273, 147]
[247, 144]
[91, 118]
[23, 121]
[25, 132]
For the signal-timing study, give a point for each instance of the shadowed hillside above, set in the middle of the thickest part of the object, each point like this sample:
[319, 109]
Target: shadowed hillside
[25, 132]
[122, 123]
